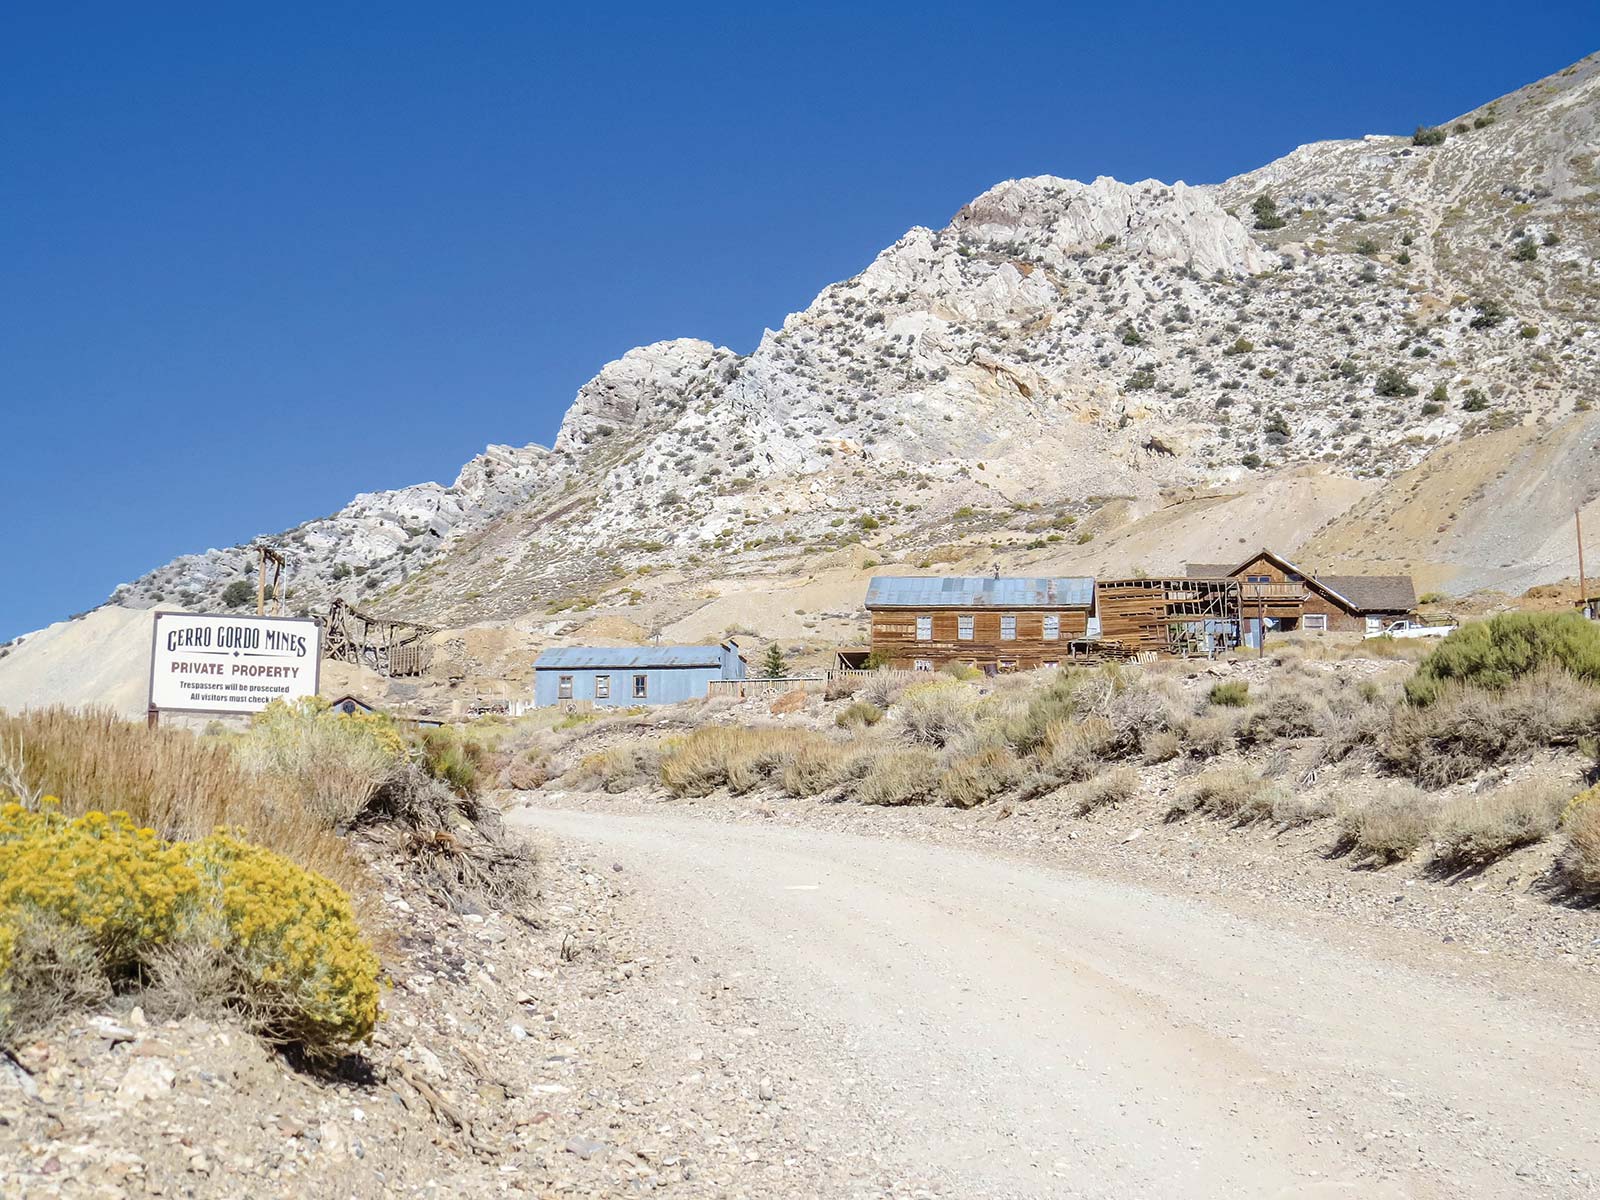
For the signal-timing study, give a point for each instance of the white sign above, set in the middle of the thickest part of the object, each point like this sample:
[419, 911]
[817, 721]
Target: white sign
[210, 662]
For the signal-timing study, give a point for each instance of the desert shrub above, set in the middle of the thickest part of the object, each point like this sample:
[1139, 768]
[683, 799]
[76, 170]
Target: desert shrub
[1388, 826]
[857, 714]
[1494, 653]
[1116, 786]
[1463, 728]
[1235, 793]
[48, 970]
[526, 771]
[723, 756]
[817, 766]
[303, 974]
[451, 757]
[884, 686]
[901, 776]
[1229, 693]
[1578, 865]
[1162, 746]
[335, 762]
[965, 672]
[936, 714]
[1287, 711]
[841, 687]
[1074, 750]
[1293, 808]
[1209, 736]
[108, 889]
[1475, 830]
[615, 769]
[974, 778]
[1134, 707]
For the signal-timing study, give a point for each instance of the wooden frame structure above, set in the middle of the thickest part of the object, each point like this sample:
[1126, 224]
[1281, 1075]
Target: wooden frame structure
[1170, 615]
[390, 646]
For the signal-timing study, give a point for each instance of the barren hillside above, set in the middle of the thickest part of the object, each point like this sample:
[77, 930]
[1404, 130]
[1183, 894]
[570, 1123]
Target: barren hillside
[1374, 351]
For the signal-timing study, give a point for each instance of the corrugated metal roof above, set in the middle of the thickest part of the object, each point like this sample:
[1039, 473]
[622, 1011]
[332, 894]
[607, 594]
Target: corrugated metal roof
[1208, 570]
[625, 658]
[978, 591]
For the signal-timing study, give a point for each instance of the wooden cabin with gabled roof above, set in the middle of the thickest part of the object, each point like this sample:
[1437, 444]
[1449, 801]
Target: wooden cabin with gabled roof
[1286, 598]
[995, 624]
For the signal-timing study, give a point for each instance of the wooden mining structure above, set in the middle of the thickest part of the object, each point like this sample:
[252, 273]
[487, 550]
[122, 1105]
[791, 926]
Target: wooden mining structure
[1170, 615]
[389, 645]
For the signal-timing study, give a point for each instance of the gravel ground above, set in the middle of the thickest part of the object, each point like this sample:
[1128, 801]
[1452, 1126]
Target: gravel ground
[1157, 1020]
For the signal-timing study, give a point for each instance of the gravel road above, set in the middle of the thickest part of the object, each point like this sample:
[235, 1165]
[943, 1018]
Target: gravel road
[1017, 1030]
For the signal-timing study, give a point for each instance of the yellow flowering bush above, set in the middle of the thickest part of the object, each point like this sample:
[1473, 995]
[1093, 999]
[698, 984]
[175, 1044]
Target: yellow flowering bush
[285, 938]
[101, 873]
[303, 966]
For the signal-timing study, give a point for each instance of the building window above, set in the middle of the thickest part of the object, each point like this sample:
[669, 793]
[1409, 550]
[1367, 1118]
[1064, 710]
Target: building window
[1317, 621]
[641, 687]
[924, 629]
[1052, 627]
[602, 687]
[1258, 578]
[564, 687]
[922, 664]
[964, 628]
[1050, 664]
[1008, 664]
[1008, 629]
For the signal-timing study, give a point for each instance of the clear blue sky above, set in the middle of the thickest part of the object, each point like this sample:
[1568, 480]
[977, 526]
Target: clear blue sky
[228, 235]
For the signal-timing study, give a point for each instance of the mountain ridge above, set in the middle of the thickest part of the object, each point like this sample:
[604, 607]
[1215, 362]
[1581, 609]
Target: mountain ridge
[1057, 364]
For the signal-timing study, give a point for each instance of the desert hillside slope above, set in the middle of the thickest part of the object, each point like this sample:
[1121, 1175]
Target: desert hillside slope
[1371, 351]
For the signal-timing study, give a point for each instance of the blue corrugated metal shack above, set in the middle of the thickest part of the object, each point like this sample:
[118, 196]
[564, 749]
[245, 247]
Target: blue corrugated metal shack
[623, 676]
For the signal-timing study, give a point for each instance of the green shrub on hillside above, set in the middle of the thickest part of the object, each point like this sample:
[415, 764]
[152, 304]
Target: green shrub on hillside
[1230, 693]
[1492, 654]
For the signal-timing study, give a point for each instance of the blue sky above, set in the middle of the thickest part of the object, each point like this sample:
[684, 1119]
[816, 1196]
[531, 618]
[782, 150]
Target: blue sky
[255, 261]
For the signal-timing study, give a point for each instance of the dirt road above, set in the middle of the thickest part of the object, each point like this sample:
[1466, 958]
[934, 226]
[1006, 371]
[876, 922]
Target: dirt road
[1015, 1030]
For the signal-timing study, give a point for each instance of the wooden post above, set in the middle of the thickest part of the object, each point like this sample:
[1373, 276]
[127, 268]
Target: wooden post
[152, 717]
[1583, 583]
[1261, 625]
[261, 581]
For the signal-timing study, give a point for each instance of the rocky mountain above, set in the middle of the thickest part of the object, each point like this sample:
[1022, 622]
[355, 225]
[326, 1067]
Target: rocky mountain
[1057, 374]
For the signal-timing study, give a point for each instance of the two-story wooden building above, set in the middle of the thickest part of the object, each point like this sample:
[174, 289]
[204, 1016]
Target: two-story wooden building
[995, 624]
[1275, 591]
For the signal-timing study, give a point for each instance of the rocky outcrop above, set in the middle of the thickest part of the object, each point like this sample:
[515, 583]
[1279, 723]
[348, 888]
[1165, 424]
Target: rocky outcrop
[1352, 307]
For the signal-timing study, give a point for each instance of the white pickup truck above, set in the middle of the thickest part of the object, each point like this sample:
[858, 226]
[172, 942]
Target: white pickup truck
[1412, 629]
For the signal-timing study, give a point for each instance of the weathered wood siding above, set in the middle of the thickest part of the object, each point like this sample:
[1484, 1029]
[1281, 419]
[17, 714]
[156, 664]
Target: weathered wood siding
[894, 637]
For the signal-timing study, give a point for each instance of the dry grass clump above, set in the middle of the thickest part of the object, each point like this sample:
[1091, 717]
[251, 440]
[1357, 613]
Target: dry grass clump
[937, 714]
[1116, 786]
[1463, 729]
[1476, 830]
[972, 779]
[858, 714]
[724, 756]
[1287, 711]
[1163, 745]
[1388, 826]
[1209, 736]
[1291, 809]
[819, 766]
[1578, 865]
[180, 785]
[1229, 693]
[884, 686]
[1235, 793]
[1075, 750]
[901, 776]
[334, 762]
[615, 769]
